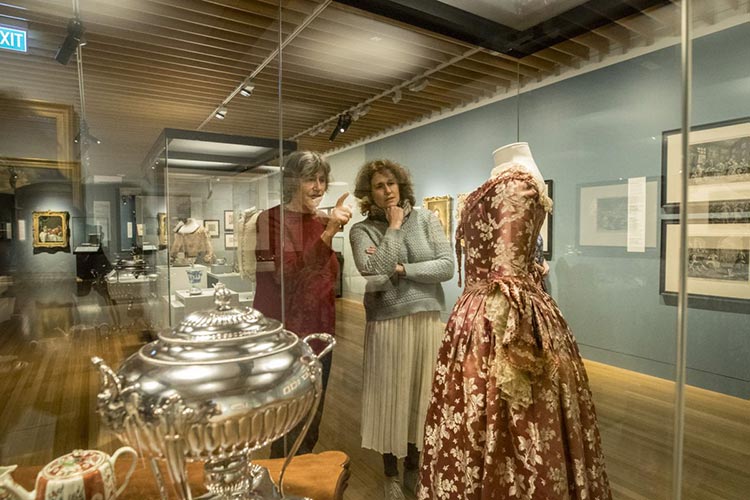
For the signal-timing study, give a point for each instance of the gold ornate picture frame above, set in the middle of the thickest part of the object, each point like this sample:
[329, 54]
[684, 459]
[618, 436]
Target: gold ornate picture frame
[162, 228]
[441, 206]
[51, 229]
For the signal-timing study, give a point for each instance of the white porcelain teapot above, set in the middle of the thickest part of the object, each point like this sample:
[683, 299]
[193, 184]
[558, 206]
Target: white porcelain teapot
[79, 475]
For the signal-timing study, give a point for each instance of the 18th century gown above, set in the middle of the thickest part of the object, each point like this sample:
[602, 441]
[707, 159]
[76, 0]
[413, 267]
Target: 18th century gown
[511, 415]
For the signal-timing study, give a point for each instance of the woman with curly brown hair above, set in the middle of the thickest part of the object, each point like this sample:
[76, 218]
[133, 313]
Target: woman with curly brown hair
[404, 256]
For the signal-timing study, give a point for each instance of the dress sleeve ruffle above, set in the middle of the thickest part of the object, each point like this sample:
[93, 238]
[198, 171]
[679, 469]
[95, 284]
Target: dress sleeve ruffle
[520, 356]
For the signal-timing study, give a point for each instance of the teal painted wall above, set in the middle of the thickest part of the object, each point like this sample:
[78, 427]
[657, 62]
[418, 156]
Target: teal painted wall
[601, 127]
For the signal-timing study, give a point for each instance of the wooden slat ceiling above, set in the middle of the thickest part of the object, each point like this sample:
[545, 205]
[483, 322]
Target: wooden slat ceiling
[152, 64]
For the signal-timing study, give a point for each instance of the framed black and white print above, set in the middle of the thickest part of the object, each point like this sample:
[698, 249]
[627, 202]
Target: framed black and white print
[228, 221]
[603, 214]
[718, 257]
[719, 166]
[229, 242]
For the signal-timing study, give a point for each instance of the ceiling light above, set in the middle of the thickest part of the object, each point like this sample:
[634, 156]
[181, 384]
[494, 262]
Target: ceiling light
[419, 85]
[342, 124]
[396, 97]
[221, 113]
[71, 42]
[247, 90]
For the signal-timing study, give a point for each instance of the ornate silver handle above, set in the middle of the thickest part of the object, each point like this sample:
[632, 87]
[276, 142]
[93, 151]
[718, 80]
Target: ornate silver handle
[325, 337]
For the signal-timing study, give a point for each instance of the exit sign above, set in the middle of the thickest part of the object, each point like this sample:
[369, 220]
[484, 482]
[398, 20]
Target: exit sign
[12, 39]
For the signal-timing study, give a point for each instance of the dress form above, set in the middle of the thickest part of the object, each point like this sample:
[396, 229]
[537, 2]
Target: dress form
[190, 226]
[517, 153]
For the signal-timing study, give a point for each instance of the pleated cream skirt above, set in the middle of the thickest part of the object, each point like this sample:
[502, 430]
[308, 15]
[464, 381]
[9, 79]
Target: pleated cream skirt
[400, 357]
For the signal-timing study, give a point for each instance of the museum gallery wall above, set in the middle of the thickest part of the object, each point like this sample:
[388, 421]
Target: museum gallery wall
[599, 128]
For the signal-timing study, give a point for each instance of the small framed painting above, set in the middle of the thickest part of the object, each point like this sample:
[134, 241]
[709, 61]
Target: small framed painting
[441, 206]
[228, 221]
[162, 228]
[229, 241]
[212, 227]
[50, 229]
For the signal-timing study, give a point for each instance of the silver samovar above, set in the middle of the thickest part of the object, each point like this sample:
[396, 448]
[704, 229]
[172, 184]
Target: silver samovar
[223, 383]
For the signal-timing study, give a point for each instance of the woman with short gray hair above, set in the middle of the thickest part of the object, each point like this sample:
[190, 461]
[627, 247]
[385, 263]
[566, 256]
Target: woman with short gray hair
[310, 267]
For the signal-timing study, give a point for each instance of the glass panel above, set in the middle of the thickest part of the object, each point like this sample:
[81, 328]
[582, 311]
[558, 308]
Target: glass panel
[717, 437]
[106, 147]
[43, 222]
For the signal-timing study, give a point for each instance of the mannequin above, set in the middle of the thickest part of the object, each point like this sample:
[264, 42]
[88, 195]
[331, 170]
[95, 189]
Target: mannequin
[190, 226]
[517, 153]
[192, 239]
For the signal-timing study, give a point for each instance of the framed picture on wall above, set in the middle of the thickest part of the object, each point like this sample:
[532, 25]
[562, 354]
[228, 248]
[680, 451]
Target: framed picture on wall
[719, 166]
[50, 229]
[718, 257]
[441, 206]
[546, 230]
[603, 214]
[228, 221]
[161, 218]
[212, 227]
[229, 241]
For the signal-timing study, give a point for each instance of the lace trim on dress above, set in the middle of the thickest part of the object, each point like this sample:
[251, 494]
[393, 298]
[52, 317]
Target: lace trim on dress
[514, 385]
[519, 355]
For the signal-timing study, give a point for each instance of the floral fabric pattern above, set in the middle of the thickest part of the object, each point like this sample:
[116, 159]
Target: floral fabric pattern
[511, 414]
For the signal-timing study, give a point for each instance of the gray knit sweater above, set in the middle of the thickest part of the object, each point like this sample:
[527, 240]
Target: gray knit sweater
[424, 251]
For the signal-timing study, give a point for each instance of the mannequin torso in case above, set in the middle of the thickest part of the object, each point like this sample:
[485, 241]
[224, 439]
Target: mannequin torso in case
[189, 226]
[192, 239]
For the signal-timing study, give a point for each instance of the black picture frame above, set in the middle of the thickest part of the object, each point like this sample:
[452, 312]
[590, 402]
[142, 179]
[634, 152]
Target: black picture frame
[723, 281]
[727, 130]
[228, 221]
[547, 228]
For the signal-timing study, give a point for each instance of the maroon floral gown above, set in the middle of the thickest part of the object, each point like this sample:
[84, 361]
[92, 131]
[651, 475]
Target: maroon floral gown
[511, 415]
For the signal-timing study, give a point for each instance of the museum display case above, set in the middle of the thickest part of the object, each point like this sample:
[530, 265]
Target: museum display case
[153, 151]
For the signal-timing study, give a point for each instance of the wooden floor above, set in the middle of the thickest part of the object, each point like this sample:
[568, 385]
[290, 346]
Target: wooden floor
[48, 389]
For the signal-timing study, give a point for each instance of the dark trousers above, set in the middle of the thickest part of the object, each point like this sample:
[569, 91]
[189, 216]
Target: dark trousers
[308, 443]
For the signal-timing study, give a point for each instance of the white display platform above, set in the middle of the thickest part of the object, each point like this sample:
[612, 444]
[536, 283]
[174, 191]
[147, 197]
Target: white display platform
[203, 301]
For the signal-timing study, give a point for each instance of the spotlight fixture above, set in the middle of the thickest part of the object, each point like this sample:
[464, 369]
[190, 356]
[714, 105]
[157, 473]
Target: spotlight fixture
[221, 113]
[419, 85]
[396, 97]
[345, 119]
[71, 42]
[247, 90]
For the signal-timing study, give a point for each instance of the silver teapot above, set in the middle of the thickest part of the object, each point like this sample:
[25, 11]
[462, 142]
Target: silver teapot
[223, 383]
